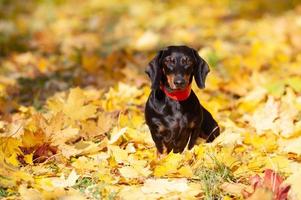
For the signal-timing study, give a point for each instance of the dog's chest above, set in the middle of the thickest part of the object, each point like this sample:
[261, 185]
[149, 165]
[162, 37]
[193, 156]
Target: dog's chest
[179, 118]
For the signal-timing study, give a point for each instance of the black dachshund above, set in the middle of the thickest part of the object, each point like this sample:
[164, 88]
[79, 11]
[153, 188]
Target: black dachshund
[173, 112]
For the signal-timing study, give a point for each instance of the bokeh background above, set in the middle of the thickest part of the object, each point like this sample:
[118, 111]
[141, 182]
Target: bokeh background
[73, 90]
[48, 46]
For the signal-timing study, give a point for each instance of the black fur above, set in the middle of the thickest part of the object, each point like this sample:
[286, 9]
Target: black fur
[174, 124]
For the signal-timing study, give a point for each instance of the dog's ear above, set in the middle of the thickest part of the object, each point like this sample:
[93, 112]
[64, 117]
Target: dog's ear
[201, 69]
[154, 70]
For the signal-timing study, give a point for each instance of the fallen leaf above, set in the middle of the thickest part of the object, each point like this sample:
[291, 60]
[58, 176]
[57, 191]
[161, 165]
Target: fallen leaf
[271, 186]
[29, 193]
[120, 155]
[233, 188]
[74, 106]
[294, 181]
[168, 165]
[263, 119]
[65, 182]
[164, 186]
[128, 172]
[116, 134]
[290, 145]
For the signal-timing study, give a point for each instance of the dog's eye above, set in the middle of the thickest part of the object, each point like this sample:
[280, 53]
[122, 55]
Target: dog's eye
[170, 60]
[185, 61]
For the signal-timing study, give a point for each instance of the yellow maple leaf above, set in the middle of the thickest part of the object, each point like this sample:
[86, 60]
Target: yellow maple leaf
[120, 155]
[137, 136]
[13, 159]
[199, 151]
[186, 171]
[21, 176]
[9, 150]
[287, 115]
[249, 102]
[256, 162]
[104, 122]
[291, 145]
[165, 186]
[123, 95]
[263, 119]
[56, 103]
[75, 107]
[227, 157]
[29, 193]
[84, 164]
[54, 125]
[65, 182]
[61, 138]
[278, 163]
[89, 147]
[230, 136]
[141, 166]
[30, 139]
[128, 172]
[104, 174]
[65, 135]
[28, 158]
[265, 143]
[116, 134]
[168, 165]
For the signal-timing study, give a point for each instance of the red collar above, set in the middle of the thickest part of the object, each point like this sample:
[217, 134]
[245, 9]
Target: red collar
[178, 95]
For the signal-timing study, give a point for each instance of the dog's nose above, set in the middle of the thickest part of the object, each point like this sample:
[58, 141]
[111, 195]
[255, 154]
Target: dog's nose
[179, 82]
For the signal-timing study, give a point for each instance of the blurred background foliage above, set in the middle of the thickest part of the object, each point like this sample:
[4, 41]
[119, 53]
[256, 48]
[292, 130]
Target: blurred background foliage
[51, 45]
[47, 46]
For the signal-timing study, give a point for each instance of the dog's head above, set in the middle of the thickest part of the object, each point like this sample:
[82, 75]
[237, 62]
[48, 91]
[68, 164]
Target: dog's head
[175, 66]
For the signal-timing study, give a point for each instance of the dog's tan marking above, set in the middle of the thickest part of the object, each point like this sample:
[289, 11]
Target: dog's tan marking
[163, 155]
[161, 128]
[187, 77]
[170, 80]
[191, 124]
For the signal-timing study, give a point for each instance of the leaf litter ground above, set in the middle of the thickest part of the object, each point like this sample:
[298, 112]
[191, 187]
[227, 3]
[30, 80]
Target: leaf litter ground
[72, 94]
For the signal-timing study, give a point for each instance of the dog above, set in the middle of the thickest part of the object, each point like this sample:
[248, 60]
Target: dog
[173, 112]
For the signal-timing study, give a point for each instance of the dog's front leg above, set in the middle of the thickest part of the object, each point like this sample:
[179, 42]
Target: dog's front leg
[158, 142]
[210, 128]
[193, 137]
